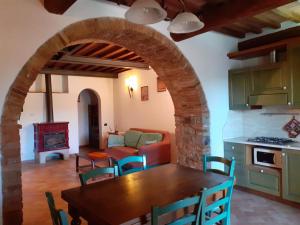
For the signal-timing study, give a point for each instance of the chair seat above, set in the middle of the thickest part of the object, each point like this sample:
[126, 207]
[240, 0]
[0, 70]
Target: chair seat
[97, 155]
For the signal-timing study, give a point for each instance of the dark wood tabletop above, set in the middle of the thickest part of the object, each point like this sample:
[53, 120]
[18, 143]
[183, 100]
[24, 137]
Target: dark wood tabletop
[122, 199]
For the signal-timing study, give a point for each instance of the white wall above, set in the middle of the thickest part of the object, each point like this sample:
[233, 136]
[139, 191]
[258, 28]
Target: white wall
[65, 108]
[156, 113]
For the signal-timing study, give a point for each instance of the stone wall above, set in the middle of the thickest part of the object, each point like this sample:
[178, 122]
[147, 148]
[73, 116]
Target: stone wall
[192, 126]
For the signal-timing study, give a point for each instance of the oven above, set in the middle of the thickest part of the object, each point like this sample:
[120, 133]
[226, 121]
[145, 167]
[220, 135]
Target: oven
[267, 157]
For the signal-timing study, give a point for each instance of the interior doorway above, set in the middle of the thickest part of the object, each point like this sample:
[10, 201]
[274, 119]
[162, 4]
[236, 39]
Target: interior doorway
[89, 119]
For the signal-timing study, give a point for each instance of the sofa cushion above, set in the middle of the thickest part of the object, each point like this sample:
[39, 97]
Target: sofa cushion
[149, 138]
[115, 140]
[132, 137]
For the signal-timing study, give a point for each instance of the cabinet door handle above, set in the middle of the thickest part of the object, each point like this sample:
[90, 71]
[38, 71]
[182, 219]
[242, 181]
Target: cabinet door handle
[232, 147]
[262, 171]
[283, 154]
[284, 87]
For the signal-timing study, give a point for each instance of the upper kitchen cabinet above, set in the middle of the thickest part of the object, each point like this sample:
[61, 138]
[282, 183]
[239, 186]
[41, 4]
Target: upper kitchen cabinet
[238, 89]
[269, 79]
[270, 85]
[294, 71]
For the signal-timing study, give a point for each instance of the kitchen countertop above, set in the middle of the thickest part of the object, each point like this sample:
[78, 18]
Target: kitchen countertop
[244, 140]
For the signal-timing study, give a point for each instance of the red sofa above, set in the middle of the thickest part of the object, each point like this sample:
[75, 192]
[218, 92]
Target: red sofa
[156, 154]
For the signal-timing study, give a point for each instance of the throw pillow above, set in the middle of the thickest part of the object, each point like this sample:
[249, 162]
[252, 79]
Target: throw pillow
[115, 140]
[132, 137]
[147, 138]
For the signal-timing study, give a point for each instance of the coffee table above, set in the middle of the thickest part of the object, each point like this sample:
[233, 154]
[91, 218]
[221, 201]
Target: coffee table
[93, 157]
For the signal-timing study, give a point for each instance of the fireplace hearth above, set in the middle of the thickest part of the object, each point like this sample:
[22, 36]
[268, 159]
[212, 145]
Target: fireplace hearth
[51, 138]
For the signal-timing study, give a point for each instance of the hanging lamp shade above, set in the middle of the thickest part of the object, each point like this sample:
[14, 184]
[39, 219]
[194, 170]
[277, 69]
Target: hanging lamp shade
[185, 22]
[145, 12]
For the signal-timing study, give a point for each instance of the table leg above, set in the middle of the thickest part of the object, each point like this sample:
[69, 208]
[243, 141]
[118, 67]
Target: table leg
[75, 216]
[110, 163]
[77, 163]
[93, 164]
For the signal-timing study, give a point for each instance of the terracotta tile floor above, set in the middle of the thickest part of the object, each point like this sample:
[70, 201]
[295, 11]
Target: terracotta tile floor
[57, 175]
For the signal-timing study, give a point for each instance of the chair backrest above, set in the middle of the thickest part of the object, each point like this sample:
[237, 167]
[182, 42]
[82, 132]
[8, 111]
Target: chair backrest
[228, 164]
[84, 177]
[187, 218]
[58, 216]
[129, 160]
[209, 214]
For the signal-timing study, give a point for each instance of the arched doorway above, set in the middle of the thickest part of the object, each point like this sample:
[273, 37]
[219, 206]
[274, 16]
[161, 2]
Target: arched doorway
[191, 113]
[89, 119]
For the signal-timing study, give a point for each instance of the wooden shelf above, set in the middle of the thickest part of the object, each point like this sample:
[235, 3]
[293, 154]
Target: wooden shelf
[256, 52]
[262, 50]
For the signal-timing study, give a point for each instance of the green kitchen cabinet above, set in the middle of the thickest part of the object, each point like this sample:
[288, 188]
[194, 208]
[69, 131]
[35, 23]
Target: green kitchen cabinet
[269, 79]
[291, 175]
[264, 179]
[238, 151]
[238, 89]
[294, 70]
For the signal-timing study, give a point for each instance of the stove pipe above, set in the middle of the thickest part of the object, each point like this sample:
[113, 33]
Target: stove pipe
[49, 100]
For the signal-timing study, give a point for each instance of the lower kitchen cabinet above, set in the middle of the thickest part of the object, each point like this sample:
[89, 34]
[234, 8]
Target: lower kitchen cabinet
[264, 180]
[291, 175]
[238, 151]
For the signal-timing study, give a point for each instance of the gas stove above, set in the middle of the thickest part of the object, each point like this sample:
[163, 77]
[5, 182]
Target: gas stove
[271, 140]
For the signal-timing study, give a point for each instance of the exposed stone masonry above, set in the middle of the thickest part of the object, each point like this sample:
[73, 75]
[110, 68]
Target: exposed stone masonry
[191, 114]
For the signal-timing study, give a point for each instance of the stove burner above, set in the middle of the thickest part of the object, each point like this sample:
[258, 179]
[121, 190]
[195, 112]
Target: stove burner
[271, 140]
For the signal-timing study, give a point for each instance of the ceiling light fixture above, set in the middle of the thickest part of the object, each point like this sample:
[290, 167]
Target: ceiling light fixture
[145, 12]
[185, 22]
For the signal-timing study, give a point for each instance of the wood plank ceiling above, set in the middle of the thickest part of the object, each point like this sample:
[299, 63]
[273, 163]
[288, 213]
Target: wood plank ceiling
[234, 13]
[96, 59]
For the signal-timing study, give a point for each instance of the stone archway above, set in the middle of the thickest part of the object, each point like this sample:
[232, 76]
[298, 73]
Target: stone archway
[191, 113]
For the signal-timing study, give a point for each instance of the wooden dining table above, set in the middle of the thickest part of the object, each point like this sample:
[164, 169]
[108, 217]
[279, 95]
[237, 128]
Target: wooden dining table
[128, 198]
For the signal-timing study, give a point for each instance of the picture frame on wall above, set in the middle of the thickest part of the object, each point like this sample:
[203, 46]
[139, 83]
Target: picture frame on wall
[161, 85]
[144, 93]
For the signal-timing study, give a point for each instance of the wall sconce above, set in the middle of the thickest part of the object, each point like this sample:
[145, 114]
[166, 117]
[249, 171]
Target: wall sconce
[131, 83]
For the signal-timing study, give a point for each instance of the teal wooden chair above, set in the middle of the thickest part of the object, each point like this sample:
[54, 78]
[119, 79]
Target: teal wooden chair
[125, 167]
[58, 216]
[84, 177]
[187, 218]
[229, 165]
[210, 213]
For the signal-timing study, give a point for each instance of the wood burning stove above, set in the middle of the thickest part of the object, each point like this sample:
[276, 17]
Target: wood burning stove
[51, 138]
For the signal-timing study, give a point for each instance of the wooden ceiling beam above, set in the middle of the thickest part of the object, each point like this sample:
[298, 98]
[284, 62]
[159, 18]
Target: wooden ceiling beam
[98, 52]
[129, 54]
[101, 62]
[79, 73]
[231, 32]
[114, 53]
[265, 22]
[85, 49]
[58, 6]
[230, 12]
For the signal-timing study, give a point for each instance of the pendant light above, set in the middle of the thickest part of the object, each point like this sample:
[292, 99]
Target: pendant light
[185, 22]
[145, 12]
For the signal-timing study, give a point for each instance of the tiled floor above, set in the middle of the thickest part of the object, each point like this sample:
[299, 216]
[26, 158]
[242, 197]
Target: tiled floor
[247, 209]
